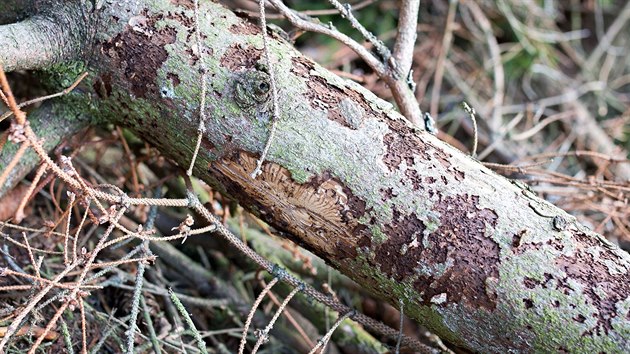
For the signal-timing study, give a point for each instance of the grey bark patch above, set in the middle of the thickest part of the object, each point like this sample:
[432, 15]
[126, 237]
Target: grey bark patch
[342, 104]
[186, 21]
[238, 57]
[326, 97]
[351, 112]
[400, 148]
[140, 51]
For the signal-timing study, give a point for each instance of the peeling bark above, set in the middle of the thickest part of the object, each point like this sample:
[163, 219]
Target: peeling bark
[475, 257]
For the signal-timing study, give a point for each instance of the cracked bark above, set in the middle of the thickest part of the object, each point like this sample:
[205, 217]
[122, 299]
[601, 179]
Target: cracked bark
[474, 257]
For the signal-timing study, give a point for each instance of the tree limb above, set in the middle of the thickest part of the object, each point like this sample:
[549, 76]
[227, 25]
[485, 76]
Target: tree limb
[50, 37]
[405, 99]
[406, 37]
[473, 256]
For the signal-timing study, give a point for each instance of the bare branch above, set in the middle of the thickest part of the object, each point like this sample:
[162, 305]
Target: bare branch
[43, 40]
[406, 37]
[312, 26]
[346, 11]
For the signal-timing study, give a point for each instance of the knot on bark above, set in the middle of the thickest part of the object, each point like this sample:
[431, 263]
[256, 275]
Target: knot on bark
[252, 89]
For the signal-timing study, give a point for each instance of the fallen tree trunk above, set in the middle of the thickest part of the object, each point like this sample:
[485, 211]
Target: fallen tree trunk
[473, 256]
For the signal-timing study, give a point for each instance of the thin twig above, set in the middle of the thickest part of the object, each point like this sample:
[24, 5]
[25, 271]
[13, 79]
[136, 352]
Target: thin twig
[263, 335]
[311, 26]
[66, 257]
[149, 323]
[44, 98]
[471, 113]
[76, 235]
[137, 292]
[19, 213]
[83, 327]
[20, 116]
[400, 325]
[383, 51]
[324, 340]
[324, 12]
[14, 161]
[250, 316]
[201, 344]
[26, 310]
[406, 37]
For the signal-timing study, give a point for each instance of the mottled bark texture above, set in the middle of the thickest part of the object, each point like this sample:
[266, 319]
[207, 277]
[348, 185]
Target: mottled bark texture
[473, 256]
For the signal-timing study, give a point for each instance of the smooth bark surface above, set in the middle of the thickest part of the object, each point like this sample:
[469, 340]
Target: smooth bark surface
[473, 256]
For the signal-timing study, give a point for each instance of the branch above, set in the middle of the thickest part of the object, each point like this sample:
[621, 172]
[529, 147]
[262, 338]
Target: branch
[405, 99]
[473, 256]
[383, 51]
[406, 37]
[312, 26]
[45, 39]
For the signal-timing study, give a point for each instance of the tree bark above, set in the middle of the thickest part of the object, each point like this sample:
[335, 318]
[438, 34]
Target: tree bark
[473, 256]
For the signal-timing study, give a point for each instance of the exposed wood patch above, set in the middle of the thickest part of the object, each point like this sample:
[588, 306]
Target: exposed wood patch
[462, 239]
[174, 79]
[323, 213]
[397, 256]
